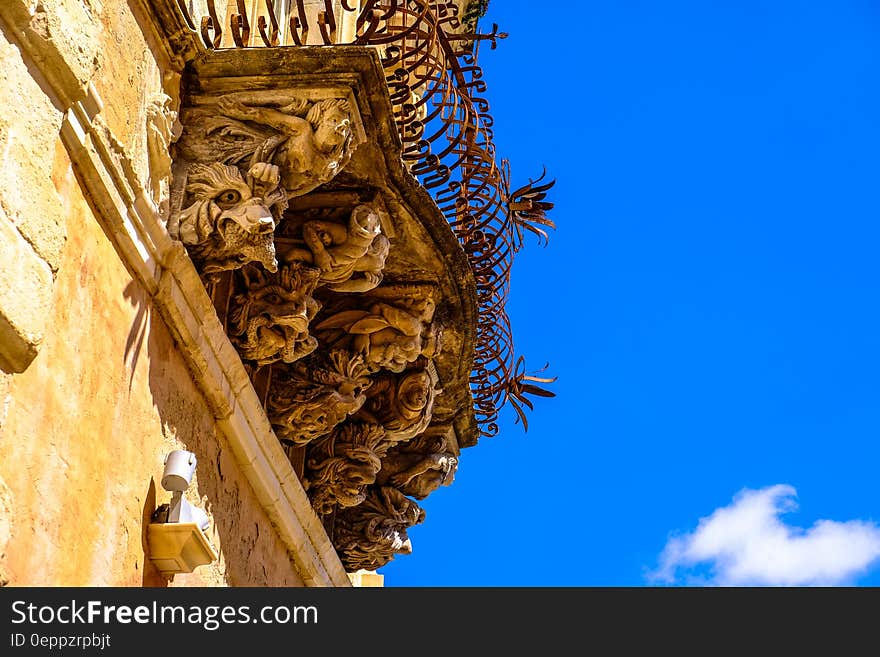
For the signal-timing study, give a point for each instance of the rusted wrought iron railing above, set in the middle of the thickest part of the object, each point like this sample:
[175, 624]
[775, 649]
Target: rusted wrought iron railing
[437, 92]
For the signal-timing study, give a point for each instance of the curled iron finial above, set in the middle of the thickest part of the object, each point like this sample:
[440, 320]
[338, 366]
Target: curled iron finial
[522, 384]
[471, 37]
[527, 208]
[209, 24]
[241, 28]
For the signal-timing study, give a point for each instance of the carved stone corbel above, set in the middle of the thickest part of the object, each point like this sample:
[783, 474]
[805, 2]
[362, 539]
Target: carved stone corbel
[351, 257]
[228, 221]
[401, 403]
[310, 140]
[371, 534]
[389, 335]
[340, 466]
[419, 467]
[269, 319]
[308, 398]
[240, 156]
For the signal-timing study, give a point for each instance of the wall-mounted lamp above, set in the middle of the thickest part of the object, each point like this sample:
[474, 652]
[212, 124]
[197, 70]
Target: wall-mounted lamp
[176, 535]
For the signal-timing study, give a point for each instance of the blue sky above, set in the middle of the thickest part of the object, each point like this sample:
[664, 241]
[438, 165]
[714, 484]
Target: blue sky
[708, 302]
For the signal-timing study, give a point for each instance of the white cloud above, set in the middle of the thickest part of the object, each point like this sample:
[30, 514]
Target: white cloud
[746, 544]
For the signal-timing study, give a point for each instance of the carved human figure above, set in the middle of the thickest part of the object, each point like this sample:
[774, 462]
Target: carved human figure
[402, 404]
[269, 320]
[369, 535]
[419, 467]
[341, 465]
[312, 141]
[350, 258]
[230, 221]
[388, 336]
[310, 397]
[162, 129]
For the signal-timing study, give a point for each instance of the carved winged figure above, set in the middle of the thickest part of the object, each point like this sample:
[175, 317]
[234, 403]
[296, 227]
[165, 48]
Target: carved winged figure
[310, 142]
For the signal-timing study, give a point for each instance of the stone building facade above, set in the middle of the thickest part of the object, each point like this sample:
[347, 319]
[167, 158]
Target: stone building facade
[223, 230]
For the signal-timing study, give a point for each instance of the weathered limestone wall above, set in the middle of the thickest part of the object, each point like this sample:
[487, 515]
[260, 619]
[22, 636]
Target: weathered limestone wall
[93, 390]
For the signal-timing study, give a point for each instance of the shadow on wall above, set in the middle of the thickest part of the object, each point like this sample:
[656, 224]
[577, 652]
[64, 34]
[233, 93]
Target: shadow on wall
[151, 577]
[248, 557]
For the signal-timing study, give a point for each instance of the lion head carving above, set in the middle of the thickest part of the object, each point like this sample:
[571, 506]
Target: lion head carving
[230, 221]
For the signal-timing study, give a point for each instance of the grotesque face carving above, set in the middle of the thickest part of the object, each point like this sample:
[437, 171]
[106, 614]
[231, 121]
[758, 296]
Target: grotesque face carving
[351, 258]
[339, 467]
[371, 534]
[401, 404]
[228, 224]
[307, 401]
[270, 320]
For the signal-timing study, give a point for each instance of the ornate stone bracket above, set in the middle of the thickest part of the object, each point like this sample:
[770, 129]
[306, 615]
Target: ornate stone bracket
[341, 466]
[391, 327]
[372, 534]
[269, 318]
[338, 281]
[307, 400]
[229, 219]
[350, 257]
[419, 467]
[401, 404]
